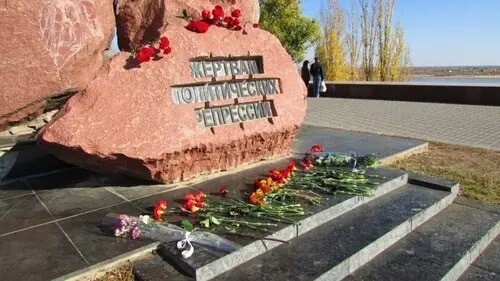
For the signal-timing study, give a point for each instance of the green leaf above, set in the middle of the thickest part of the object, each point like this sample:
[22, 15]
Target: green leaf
[205, 223]
[214, 220]
[188, 226]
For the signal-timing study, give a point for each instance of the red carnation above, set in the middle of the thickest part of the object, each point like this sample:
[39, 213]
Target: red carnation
[218, 12]
[160, 210]
[205, 15]
[236, 21]
[164, 43]
[167, 50]
[291, 165]
[236, 13]
[144, 54]
[200, 196]
[153, 51]
[255, 25]
[198, 26]
[223, 191]
[316, 148]
[238, 27]
[228, 20]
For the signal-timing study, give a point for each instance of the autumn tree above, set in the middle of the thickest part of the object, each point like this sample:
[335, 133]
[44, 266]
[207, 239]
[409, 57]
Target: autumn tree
[284, 19]
[367, 46]
[330, 49]
[353, 41]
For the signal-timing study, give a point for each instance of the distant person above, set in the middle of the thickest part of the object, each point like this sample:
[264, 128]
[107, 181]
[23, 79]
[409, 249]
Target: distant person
[317, 74]
[306, 77]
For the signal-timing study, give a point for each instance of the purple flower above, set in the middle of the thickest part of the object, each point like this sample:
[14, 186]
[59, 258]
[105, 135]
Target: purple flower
[135, 233]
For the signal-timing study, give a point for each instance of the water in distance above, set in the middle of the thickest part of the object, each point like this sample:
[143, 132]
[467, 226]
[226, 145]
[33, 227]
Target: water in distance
[457, 81]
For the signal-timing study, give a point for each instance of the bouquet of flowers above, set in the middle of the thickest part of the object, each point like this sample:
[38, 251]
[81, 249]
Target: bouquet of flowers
[126, 226]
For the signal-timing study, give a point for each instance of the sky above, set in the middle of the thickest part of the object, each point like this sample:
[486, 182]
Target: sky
[442, 32]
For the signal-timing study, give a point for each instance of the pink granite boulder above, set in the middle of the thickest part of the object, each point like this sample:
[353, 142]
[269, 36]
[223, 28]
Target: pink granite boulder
[139, 22]
[48, 47]
[149, 122]
[142, 21]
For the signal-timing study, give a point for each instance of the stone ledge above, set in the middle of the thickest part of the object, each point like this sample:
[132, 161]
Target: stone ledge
[218, 266]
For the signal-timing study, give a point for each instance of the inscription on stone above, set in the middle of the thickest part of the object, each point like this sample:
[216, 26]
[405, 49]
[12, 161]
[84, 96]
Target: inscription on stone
[234, 113]
[220, 67]
[196, 93]
[233, 89]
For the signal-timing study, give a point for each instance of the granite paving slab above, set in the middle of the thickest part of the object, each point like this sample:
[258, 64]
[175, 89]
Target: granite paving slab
[95, 244]
[347, 141]
[72, 201]
[141, 190]
[40, 253]
[14, 189]
[435, 246]
[21, 212]
[313, 253]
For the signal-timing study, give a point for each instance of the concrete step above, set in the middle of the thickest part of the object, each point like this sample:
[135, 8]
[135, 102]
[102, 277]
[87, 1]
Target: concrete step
[486, 266]
[154, 268]
[205, 265]
[338, 247]
[440, 249]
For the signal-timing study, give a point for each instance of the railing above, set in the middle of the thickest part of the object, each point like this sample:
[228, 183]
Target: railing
[414, 92]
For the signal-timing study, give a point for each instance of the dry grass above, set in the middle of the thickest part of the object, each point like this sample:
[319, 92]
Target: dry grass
[477, 170]
[121, 273]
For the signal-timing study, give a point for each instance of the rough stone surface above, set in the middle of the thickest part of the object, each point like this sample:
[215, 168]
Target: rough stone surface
[142, 21]
[250, 9]
[139, 22]
[126, 122]
[57, 46]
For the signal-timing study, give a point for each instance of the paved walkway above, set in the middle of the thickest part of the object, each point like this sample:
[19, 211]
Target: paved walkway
[469, 125]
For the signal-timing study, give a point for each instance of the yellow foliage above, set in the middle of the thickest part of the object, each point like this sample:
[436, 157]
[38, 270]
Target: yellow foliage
[370, 47]
[332, 57]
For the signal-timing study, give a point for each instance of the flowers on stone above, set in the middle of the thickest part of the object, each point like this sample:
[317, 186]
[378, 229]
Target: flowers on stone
[198, 26]
[316, 148]
[218, 13]
[193, 202]
[276, 179]
[159, 210]
[126, 227]
[306, 163]
[236, 13]
[146, 52]
[257, 198]
[223, 191]
[216, 17]
[205, 15]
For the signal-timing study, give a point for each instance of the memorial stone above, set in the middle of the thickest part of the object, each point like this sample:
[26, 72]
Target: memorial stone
[219, 100]
[49, 47]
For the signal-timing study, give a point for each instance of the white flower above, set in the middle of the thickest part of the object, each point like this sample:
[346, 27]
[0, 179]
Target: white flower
[144, 219]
